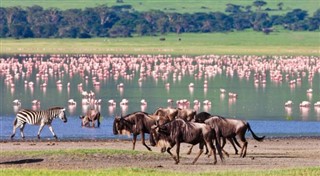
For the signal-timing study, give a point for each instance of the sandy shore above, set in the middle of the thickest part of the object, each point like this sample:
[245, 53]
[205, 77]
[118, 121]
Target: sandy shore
[274, 153]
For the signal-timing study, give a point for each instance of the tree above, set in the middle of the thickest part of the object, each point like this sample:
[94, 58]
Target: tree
[259, 4]
[260, 21]
[119, 30]
[143, 28]
[295, 16]
[280, 5]
[3, 23]
[232, 8]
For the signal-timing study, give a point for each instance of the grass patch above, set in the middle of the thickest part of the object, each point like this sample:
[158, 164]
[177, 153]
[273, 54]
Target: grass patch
[153, 172]
[74, 152]
[241, 43]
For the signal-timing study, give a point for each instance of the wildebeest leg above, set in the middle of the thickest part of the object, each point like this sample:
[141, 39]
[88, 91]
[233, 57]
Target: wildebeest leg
[168, 150]
[134, 139]
[234, 146]
[213, 150]
[207, 150]
[177, 152]
[52, 131]
[190, 150]
[200, 152]
[244, 146]
[219, 146]
[143, 141]
[40, 129]
[222, 146]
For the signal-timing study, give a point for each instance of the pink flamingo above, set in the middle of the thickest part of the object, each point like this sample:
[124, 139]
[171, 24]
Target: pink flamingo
[112, 102]
[143, 102]
[72, 102]
[207, 102]
[305, 104]
[288, 103]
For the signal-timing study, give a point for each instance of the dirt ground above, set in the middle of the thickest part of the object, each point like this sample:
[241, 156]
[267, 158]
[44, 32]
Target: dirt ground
[275, 153]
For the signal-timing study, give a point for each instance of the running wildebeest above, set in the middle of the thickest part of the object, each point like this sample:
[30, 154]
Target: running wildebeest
[173, 113]
[91, 116]
[201, 117]
[230, 128]
[179, 131]
[135, 123]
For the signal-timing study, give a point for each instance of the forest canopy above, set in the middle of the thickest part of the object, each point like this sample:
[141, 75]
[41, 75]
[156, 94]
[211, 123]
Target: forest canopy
[124, 21]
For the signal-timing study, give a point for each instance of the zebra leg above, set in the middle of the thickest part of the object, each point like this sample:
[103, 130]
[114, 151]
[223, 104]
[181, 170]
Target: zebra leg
[51, 129]
[40, 129]
[21, 131]
[14, 131]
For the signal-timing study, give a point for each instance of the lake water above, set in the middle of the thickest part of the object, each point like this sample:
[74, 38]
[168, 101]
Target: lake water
[262, 85]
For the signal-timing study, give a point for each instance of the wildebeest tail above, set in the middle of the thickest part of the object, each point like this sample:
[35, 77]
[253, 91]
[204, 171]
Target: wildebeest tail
[254, 135]
[115, 130]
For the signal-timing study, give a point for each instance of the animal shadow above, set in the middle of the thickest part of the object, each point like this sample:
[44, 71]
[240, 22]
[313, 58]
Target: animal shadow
[23, 161]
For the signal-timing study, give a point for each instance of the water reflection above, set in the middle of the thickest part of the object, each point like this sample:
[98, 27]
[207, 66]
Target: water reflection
[72, 109]
[304, 112]
[111, 110]
[288, 111]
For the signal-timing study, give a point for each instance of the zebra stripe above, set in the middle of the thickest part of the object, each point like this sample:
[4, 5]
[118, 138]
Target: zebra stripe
[42, 117]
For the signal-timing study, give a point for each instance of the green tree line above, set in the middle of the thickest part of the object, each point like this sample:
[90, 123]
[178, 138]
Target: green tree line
[124, 21]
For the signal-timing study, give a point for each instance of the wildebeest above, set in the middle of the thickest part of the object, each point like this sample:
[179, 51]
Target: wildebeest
[230, 128]
[201, 117]
[91, 116]
[173, 113]
[179, 131]
[186, 114]
[135, 123]
[170, 113]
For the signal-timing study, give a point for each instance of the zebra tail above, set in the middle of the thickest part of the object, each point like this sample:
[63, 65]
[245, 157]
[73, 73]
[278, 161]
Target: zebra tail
[15, 121]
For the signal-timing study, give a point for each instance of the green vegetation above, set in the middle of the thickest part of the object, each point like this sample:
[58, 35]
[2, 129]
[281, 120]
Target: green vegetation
[132, 171]
[242, 43]
[125, 21]
[153, 172]
[180, 6]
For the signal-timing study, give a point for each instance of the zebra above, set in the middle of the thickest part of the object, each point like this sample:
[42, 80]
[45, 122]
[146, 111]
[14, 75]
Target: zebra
[42, 118]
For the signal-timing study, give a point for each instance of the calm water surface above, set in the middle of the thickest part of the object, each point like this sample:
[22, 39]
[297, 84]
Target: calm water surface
[261, 94]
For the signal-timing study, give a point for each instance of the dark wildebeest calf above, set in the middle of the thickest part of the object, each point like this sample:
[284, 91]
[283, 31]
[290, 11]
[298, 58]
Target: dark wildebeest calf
[91, 116]
[135, 123]
[201, 117]
[179, 131]
[230, 128]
